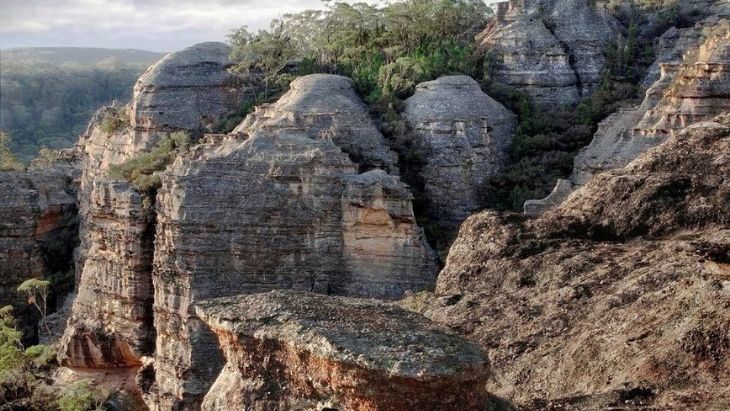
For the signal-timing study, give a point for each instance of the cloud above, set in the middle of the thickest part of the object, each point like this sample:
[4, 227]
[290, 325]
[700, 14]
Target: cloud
[160, 25]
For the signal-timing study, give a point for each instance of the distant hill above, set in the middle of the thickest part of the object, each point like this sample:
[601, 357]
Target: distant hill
[78, 55]
[48, 94]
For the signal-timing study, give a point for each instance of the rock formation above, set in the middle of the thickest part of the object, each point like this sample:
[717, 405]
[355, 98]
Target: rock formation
[111, 322]
[464, 136]
[279, 204]
[550, 49]
[38, 231]
[297, 350]
[688, 91]
[295, 198]
[186, 90]
[618, 297]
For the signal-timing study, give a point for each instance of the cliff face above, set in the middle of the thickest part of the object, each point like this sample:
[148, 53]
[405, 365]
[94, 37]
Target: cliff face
[689, 90]
[464, 136]
[281, 206]
[617, 297]
[38, 228]
[295, 350]
[111, 321]
[550, 49]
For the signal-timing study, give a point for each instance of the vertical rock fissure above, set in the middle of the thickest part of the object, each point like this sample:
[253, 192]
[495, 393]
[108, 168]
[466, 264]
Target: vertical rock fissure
[550, 26]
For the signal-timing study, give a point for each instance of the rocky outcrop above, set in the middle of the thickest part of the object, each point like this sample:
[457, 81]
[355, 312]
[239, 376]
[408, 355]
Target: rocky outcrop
[111, 321]
[326, 107]
[688, 91]
[38, 231]
[186, 90]
[464, 137]
[299, 350]
[618, 297]
[278, 204]
[550, 49]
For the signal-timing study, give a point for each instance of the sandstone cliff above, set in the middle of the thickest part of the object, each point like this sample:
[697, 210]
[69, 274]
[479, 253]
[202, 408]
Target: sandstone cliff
[296, 350]
[111, 322]
[38, 231]
[278, 204]
[464, 136]
[691, 89]
[550, 49]
[616, 298]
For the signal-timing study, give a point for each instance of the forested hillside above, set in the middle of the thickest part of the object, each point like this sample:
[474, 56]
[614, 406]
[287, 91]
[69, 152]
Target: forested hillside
[48, 95]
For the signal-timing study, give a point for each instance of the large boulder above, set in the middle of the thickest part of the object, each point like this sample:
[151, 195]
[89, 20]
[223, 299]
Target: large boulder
[299, 350]
[464, 136]
[618, 297]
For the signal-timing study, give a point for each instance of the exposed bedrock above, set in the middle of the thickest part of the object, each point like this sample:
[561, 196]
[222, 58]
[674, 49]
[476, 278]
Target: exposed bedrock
[618, 297]
[38, 232]
[550, 49]
[111, 318]
[688, 91]
[297, 350]
[464, 136]
[276, 205]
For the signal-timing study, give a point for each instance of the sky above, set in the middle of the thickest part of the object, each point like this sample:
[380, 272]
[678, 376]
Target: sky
[155, 25]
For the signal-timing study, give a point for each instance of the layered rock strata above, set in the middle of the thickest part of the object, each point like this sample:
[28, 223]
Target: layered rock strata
[618, 297]
[276, 205]
[111, 321]
[299, 350]
[550, 49]
[464, 136]
[688, 91]
[38, 232]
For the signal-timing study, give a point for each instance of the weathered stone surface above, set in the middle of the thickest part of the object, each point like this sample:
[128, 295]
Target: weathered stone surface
[111, 321]
[693, 90]
[561, 191]
[112, 312]
[299, 350]
[551, 49]
[326, 107]
[277, 205]
[616, 298]
[464, 136]
[38, 231]
[187, 89]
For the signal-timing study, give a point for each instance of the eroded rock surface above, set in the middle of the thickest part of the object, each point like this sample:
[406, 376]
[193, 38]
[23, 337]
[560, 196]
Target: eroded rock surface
[111, 320]
[619, 297]
[38, 231]
[186, 90]
[550, 49]
[298, 350]
[688, 91]
[464, 136]
[277, 205]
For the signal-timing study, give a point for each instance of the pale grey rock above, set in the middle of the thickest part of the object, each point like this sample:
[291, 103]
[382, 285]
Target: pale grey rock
[187, 89]
[337, 353]
[561, 191]
[464, 135]
[550, 49]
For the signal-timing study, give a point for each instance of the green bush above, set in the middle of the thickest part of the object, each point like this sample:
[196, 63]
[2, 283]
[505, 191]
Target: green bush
[143, 170]
[82, 396]
[8, 162]
[114, 120]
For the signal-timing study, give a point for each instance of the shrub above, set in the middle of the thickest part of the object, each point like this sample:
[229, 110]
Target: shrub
[82, 396]
[143, 170]
[114, 120]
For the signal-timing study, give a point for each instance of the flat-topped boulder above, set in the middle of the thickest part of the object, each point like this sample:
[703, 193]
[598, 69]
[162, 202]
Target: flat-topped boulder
[299, 350]
[464, 136]
[187, 89]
